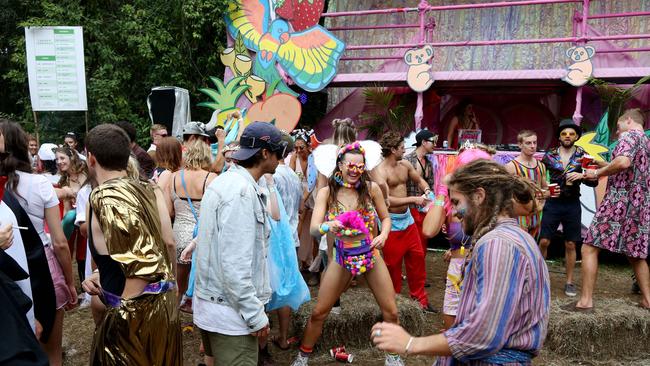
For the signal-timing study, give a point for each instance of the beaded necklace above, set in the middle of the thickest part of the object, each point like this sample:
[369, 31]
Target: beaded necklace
[338, 178]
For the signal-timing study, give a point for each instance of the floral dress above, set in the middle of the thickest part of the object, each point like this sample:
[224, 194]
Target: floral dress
[622, 223]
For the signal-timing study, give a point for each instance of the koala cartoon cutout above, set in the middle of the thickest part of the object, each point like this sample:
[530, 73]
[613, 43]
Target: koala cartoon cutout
[419, 75]
[579, 72]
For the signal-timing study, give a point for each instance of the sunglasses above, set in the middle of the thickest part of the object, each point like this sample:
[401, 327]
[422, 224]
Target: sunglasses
[356, 168]
[161, 134]
[567, 133]
[300, 148]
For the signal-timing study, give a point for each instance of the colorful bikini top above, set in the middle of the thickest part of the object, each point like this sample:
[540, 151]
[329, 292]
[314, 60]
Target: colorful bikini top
[367, 213]
[355, 256]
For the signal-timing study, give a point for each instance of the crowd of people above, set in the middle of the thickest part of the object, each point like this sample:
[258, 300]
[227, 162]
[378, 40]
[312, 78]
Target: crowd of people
[228, 233]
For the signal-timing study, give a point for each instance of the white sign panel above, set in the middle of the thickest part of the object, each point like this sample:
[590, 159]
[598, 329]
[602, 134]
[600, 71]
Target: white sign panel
[55, 66]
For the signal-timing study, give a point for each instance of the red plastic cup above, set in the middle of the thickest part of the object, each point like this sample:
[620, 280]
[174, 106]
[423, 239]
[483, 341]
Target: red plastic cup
[344, 357]
[553, 189]
[336, 350]
[587, 160]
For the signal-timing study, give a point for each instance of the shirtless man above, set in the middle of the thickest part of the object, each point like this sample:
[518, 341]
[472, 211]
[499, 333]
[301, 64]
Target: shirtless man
[404, 239]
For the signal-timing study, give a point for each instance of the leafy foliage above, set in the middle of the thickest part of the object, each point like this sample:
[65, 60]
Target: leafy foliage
[615, 98]
[130, 47]
[385, 111]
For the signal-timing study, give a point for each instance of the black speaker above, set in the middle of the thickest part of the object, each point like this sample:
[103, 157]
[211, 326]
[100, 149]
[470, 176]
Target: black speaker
[161, 107]
[169, 106]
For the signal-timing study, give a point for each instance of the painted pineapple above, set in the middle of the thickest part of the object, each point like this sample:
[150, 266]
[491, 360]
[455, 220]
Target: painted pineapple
[224, 98]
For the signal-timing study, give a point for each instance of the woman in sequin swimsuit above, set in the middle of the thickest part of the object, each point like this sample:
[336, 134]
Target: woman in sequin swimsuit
[349, 189]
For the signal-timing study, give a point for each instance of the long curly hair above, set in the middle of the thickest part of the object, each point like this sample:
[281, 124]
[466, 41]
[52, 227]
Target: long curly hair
[77, 166]
[364, 199]
[502, 190]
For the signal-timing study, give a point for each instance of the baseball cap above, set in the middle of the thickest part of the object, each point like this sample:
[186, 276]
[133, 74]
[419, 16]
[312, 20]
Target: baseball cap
[424, 135]
[195, 128]
[46, 151]
[256, 136]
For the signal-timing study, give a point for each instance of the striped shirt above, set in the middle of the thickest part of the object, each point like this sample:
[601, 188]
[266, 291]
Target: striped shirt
[504, 304]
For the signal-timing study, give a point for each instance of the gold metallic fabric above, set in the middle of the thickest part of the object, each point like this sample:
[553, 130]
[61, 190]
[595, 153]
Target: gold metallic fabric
[144, 330]
[128, 216]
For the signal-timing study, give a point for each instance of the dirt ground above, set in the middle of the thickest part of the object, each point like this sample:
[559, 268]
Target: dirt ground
[613, 281]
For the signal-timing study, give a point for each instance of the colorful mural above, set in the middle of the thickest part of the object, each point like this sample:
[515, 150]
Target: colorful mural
[309, 57]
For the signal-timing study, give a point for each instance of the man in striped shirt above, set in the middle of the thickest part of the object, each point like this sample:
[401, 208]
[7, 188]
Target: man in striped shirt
[505, 296]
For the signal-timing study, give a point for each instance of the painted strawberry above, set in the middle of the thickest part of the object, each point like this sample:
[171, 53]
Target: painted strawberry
[284, 9]
[302, 14]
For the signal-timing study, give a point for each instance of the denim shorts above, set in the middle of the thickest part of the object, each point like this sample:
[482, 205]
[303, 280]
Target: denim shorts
[568, 213]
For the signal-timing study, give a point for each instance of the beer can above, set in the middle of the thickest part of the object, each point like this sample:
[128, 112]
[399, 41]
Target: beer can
[336, 350]
[344, 357]
[445, 144]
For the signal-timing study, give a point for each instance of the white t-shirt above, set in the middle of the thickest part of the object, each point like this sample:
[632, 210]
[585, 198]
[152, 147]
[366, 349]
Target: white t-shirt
[35, 194]
[17, 252]
[82, 202]
[218, 318]
[152, 148]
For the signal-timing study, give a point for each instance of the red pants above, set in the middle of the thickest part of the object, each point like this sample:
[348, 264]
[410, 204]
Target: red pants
[418, 217]
[406, 245]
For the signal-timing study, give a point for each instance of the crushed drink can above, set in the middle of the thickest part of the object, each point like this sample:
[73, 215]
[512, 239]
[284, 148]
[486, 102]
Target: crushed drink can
[336, 350]
[344, 357]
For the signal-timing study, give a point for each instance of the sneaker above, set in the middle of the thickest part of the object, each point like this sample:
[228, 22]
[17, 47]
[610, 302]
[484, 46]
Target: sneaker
[336, 310]
[570, 290]
[429, 309]
[300, 360]
[393, 360]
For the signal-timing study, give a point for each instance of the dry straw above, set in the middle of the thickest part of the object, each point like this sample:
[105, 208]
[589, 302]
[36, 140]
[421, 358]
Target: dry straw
[617, 329]
[359, 312]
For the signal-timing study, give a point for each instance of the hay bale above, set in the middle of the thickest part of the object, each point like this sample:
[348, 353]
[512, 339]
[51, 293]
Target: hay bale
[616, 329]
[359, 312]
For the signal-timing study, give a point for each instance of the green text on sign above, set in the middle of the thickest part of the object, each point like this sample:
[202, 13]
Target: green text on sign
[64, 31]
[45, 58]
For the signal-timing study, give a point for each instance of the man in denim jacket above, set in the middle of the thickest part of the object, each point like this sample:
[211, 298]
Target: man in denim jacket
[232, 279]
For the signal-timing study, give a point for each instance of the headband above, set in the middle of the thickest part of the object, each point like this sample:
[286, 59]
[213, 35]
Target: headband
[351, 147]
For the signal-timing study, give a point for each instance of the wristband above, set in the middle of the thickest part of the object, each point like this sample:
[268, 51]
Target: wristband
[323, 228]
[408, 346]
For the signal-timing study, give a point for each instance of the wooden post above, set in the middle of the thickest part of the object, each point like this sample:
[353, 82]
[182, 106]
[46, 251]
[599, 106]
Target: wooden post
[86, 114]
[38, 141]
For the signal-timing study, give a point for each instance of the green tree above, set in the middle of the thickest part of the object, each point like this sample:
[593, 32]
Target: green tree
[130, 47]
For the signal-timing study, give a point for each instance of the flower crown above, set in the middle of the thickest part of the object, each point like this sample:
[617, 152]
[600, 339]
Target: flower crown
[350, 147]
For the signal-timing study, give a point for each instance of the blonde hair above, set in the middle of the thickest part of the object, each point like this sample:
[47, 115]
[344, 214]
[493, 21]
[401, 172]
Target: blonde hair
[133, 168]
[635, 115]
[345, 131]
[525, 134]
[198, 155]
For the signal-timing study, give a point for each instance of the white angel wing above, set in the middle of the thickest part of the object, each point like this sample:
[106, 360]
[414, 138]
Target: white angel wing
[373, 154]
[325, 158]
[409, 141]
